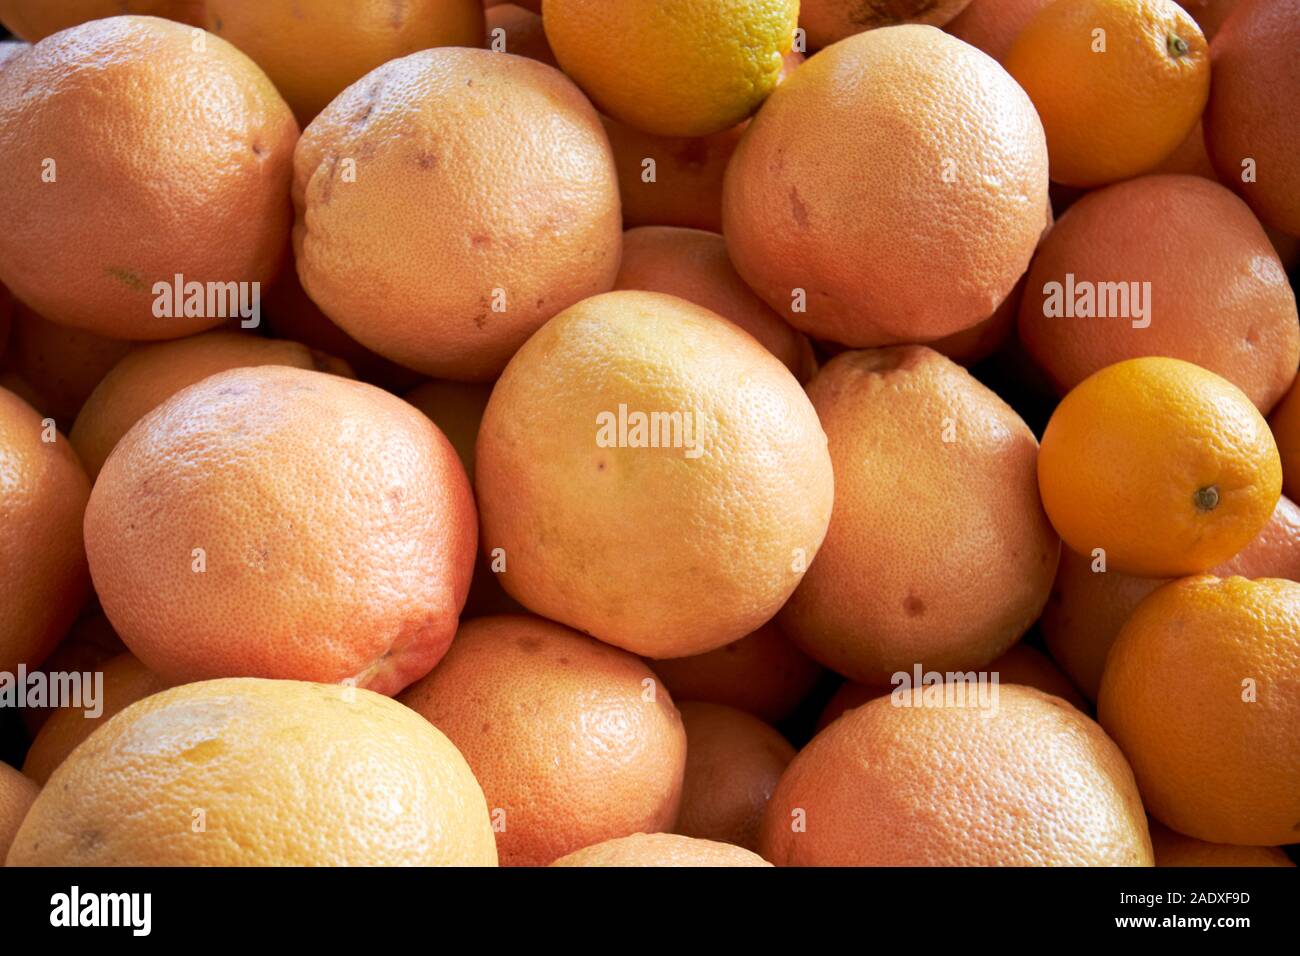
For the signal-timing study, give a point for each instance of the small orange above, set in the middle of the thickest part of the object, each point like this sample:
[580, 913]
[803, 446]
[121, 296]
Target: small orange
[1118, 84]
[17, 794]
[1166, 467]
[1202, 693]
[993, 25]
[1174, 849]
[661, 849]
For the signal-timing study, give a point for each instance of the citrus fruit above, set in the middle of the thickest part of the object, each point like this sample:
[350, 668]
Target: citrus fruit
[1164, 466]
[125, 680]
[1174, 849]
[1285, 425]
[88, 643]
[517, 30]
[84, 109]
[1209, 14]
[1032, 782]
[640, 417]
[36, 19]
[223, 542]
[1162, 265]
[1118, 84]
[1202, 693]
[251, 772]
[733, 762]
[515, 181]
[693, 265]
[312, 52]
[596, 752]
[947, 163]
[1190, 157]
[981, 340]
[826, 21]
[686, 69]
[17, 794]
[763, 674]
[661, 849]
[1250, 127]
[993, 25]
[938, 551]
[43, 580]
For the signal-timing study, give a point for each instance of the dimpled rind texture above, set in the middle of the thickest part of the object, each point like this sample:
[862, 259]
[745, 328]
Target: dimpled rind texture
[902, 131]
[1032, 783]
[16, 796]
[285, 773]
[688, 68]
[43, 577]
[938, 550]
[1219, 296]
[485, 201]
[1212, 761]
[1253, 105]
[719, 538]
[661, 849]
[136, 210]
[561, 733]
[336, 522]
[1126, 453]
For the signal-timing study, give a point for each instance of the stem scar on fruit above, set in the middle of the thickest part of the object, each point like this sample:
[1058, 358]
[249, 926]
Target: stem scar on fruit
[1207, 498]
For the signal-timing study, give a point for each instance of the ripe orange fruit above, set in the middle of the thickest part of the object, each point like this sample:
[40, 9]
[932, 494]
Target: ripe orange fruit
[1285, 425]
[250, 772]
[1190, 158]
[1217, 294]
[938, 551]
[993, 25]
[516, 181]
[311, 53]
[154, 373]
[1250, 127]
[126, 680]
[958, 785]
[733, 763]
[571, 467]
[921, 124]
[1202, 693]
[598, 751]
[515, 29]
[984, 338]
[1165, 466]
[827, 21]
[723, 58]
[36, 19]
[93, 100]
[1087, 608]
[17, 793]
[62, 363]
[88, 643]
[693, 265]
[1118, 84]
[311, 567]
[763, 674]
[1174, 849]
[661, 849]
[43, 580]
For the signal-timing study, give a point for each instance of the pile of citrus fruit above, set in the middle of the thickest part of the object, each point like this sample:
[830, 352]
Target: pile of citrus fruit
[707, 433]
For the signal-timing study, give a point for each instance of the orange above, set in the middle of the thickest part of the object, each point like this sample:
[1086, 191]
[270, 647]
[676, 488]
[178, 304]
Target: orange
[946, 161]
[1190, 158]
[938, 551]
[661, 849]
[1087, 608]
[36, 19]
[733, 763]
[1217, 294]
[95, 251]
[1118, 84]
[312, 52]
[17, 793]
[1285, 425]
[597, 752]
[1202, 693]
[993, 25]
[43, 579]
[62, 363]
[981, 340]
[1250, 127]
[515, 181]
[1164, 466]
[88, 643]
[763, 674]
[517, 30]
[1209, 14]
[313, 566]
[640, 417]
[958, 785]
[125, 679]
[250, 772]
[154, 373]
[826, 21]
[686, 69]
[1174, 849]
[693, 265]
